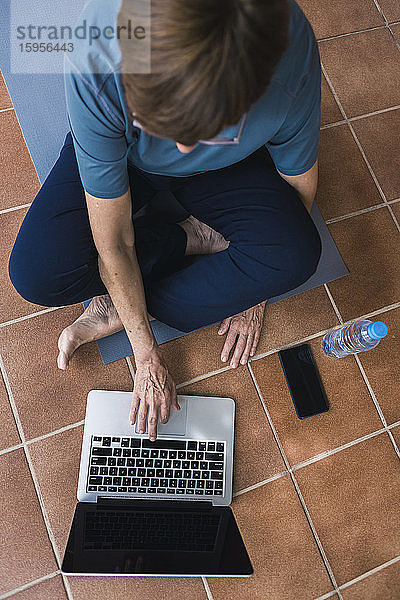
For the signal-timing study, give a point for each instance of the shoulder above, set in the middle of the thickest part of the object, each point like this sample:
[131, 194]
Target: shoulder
[96, 51]
[301, 57]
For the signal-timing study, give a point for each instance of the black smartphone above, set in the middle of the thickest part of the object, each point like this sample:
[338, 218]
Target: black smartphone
[308, 395]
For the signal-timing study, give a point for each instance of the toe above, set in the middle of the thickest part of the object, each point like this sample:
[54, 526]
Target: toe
[62, 361]
[67, 344]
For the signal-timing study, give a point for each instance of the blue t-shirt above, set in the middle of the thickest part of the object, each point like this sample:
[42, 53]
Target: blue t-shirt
[286, 119]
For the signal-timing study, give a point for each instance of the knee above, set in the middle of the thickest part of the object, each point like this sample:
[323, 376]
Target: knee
[24, 279]
[304, 256]
[287, 257]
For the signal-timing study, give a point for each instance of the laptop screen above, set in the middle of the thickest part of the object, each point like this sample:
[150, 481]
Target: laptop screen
[149, 538]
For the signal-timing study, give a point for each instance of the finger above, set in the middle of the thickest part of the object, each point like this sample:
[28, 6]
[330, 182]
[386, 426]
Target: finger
[142, 414]
[246, 352]
[255, 342]
[134, 407]
[152, 419]
[164, 408]
[240, 346]
[174, 397]
[229, 343]
[223, 328]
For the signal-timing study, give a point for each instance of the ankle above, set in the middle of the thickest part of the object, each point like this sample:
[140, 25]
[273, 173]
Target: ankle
[191, 237]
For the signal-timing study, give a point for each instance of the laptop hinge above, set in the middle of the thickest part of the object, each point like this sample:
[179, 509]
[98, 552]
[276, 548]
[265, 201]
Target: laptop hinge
[103, 501]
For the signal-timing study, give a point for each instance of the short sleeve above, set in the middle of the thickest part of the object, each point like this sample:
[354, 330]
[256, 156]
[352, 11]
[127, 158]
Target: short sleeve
[98, 134]
[294, 147]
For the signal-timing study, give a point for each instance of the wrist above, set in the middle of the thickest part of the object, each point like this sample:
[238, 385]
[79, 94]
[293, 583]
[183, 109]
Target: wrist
[150, 355]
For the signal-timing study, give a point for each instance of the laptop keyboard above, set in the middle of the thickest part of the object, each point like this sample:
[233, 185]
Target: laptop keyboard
[145, 530]
[167, 466]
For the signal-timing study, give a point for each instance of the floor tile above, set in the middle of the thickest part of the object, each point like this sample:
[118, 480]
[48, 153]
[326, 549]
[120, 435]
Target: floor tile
[8, 431]
[382, 367]
[46, 397]
[137, 588]
[369, 244]
[12, 305]
[25, 547]
[383, 585]
[5, 100]
[352, 498]
[281, 546]
[396, 434]
[342, 16]
[345, 184]
[391, 9]
[50, 589]
[194, 354]
[351, 413]
[257, 456]
[364, 69]
[57, 470]
[330, 112]
[396, 30]
[19, 181]
[295, 318]
[396, 210]
[379, 137]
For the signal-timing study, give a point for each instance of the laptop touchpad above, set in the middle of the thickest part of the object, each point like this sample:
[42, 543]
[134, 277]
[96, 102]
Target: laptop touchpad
[176, 423]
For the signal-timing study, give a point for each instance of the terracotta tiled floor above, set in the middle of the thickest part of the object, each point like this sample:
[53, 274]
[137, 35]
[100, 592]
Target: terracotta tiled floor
[316, 500]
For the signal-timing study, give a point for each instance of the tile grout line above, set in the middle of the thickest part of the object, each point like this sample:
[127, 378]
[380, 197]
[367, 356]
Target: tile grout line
[371, 572]
[327, 595]
[393, 36]
[360, 440]
[380, 111]
[380, 190]
[380, 11]
[376, 403]
[334, 305]
[206, 587]
[297, 489]
[362, 211]
[358, 117]
[203, 376]
[330, 125]
[10, 449]
[341, 35]
[12, 208]
[260, 484]
[362, 577]
[26, 586]
[32, 471]
[30, 316]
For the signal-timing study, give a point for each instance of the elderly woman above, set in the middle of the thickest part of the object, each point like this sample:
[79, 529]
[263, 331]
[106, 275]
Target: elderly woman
[228, 121]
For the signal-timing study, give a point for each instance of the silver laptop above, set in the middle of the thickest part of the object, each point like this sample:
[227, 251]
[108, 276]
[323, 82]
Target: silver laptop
[156, 508]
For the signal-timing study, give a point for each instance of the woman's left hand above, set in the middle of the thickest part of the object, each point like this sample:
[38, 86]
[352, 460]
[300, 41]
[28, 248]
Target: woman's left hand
[243, 330]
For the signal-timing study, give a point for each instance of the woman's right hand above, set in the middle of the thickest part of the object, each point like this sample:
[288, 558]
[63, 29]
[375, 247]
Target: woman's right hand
[154, 393]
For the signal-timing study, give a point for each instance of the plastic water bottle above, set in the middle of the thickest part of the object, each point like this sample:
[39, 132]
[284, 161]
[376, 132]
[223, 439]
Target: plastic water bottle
[351, 339]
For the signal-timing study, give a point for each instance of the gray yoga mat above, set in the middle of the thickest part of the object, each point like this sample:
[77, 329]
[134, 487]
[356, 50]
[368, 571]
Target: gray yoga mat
[39, 104]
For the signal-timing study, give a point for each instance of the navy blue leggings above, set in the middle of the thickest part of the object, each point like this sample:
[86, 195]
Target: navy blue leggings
[274, 245]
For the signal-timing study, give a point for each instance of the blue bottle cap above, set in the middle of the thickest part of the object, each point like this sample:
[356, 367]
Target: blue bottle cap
[377, 330]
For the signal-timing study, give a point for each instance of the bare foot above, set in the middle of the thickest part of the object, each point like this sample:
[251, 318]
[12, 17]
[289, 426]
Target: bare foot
[99, 319]
[202, 239]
